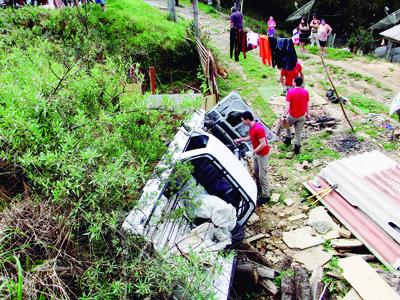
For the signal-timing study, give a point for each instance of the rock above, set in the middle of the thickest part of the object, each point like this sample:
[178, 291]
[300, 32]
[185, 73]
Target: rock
[289, 211]
[277, 233]
[289, 202]
[256, 237]
[281, 214]
[322, 227]
[319, 214]
[254, 218]
[297, 217]
[345, 243]
[305, 208]
[299, 167]
[312, 257]
[281, 224]
[344, 233]
[275, 197]
[305, 165]
[301, 238]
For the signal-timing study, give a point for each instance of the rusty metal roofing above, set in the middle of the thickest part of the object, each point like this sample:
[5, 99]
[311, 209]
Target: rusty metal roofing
[371, 182]
[362, 227]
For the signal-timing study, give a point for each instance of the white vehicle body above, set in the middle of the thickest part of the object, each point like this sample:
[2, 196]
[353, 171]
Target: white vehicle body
[213, 162]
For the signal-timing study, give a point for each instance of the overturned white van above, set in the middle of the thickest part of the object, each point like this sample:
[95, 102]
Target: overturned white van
[220, 191]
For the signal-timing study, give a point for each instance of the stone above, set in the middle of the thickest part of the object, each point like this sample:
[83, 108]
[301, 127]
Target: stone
[289, 202]
[281, 224]
[301, 238]
[297, 217]
[319, 214]
[305, 208]
[254, 218]
[281, 214]
[277, 233]
[305, 165]
[343, 232]
[312, 257]
[289, 211]
[346, 243]
[322, 227]
[275, 197]
[256, 237]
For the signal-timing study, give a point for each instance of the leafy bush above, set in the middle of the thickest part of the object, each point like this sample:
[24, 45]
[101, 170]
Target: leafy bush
[86, 149]
[361, 40]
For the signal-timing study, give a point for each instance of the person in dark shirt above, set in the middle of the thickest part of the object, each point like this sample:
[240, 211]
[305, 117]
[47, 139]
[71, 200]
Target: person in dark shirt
[235, 32]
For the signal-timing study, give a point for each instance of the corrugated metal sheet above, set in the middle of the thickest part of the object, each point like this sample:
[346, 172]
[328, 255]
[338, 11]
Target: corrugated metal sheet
[370, 181]
[392, 33]
[369, 233]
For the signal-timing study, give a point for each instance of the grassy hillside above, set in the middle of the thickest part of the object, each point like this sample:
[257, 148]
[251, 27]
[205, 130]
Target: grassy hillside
[75, 151]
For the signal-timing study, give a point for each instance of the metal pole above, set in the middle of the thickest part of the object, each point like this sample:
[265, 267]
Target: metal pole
[196, 18]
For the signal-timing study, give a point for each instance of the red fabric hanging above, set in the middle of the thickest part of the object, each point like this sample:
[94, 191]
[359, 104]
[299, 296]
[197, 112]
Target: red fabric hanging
[265, 50]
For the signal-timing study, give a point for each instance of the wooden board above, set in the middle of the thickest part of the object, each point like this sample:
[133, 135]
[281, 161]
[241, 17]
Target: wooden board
[367, 283]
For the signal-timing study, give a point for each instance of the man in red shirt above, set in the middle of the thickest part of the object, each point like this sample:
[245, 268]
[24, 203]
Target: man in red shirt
[287, 77]
[260, 154]
[296, 112]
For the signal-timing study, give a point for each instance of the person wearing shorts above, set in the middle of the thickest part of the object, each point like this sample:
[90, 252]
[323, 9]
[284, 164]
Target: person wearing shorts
[303, 28]
[271, 27]
[324, 30]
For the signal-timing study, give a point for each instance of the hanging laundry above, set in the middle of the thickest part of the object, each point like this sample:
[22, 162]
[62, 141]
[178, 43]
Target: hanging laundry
[237, 43]
[283, 53]
[252, 39]
[265, 50]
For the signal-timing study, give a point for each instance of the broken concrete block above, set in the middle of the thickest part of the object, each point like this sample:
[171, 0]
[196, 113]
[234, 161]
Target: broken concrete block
[289, 202]
[289, 211]
[312, 257]
[345, 243]
[305, 165]
[256, 237]
[301, 238]
[281, 214]
[297, 217]
[305, 208]
[254, 218]
[281, 224]
[322, 227]
[319, 214]
[275, 197]
[343, 232]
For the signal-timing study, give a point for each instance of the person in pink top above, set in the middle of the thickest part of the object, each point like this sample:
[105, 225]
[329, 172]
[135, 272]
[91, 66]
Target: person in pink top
[324, 30]
[271, 27]
[296, 112]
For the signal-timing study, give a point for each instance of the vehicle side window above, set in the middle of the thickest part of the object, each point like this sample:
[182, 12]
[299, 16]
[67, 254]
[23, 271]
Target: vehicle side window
[214, 181]
[197, 142]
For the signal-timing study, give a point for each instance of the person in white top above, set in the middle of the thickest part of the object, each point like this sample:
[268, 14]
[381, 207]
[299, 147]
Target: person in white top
[324, 30]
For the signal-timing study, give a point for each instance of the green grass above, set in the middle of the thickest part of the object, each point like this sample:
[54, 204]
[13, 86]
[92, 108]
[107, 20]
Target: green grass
[333, 53]
[368, 105]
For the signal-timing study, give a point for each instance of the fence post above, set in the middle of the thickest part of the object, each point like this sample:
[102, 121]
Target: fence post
[171, 10]
[196, 18]
[153, 84]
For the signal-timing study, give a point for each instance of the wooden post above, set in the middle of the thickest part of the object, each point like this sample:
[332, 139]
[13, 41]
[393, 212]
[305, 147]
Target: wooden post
[153, 84]
[196, 18]
[389, 50]
[171, 10]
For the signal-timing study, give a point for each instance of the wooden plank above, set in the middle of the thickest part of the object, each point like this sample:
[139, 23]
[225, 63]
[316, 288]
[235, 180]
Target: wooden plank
[367, 283]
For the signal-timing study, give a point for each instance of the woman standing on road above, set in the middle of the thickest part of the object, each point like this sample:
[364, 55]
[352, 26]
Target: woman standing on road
[324, 30]
[304, 29]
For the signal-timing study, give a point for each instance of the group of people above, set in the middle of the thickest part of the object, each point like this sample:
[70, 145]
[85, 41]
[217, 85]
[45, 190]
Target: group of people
[297, 101]
[50, 3]
[317, 32]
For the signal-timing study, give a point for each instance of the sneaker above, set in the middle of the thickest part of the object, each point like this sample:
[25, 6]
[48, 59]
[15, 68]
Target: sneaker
[262, 201]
